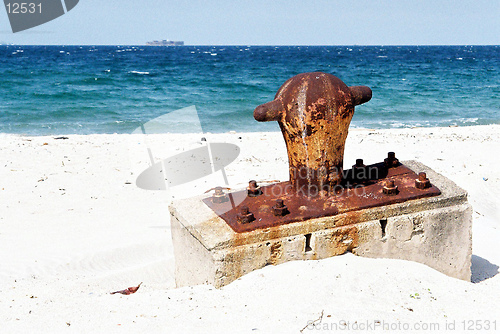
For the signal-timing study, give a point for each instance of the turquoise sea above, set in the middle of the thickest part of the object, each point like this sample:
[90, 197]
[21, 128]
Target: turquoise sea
[47, 90]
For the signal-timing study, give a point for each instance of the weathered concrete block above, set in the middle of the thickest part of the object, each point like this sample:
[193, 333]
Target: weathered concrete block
[439, 238]
[435, 231]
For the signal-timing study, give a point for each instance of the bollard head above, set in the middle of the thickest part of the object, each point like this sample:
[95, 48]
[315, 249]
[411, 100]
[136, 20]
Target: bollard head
[314, 111]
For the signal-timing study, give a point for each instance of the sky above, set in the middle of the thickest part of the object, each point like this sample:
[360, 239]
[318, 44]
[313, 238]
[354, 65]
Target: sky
[268, 22]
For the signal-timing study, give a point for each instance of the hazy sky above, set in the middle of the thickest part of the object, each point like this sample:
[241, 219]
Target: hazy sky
[269, 22]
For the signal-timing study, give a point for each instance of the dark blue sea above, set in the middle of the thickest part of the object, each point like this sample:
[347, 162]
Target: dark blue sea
[46, 90]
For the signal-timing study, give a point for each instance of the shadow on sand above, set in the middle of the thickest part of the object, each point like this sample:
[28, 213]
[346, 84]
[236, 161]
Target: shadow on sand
[482, 269]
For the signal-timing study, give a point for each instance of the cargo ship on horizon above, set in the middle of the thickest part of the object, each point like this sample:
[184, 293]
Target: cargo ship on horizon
[165, 42]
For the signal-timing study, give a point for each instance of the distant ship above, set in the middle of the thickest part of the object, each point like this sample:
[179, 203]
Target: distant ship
[165, 42]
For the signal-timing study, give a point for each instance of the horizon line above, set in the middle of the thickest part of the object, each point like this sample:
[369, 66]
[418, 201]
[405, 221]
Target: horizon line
[246, 45]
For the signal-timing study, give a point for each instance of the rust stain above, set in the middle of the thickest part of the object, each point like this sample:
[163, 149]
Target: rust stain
[350, 197]
[276, 252]
[314, 111]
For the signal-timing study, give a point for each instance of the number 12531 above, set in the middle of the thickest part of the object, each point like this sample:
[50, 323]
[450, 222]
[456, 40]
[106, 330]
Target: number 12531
[23, 8]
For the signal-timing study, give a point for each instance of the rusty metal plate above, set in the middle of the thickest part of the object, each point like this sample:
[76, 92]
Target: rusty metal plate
[352, 195]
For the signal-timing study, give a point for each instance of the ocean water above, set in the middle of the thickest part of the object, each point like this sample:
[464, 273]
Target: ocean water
[46, 90]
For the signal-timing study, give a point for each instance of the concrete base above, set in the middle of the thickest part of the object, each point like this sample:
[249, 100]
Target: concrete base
[435, 231]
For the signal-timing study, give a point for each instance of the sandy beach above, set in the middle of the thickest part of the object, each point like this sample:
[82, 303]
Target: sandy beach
[75, 227]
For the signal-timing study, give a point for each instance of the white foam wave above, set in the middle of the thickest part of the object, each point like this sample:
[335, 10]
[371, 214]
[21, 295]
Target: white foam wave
[468, 120]
[139, 72]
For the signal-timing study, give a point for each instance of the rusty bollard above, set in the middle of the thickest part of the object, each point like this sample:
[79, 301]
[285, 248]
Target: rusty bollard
[314, 111]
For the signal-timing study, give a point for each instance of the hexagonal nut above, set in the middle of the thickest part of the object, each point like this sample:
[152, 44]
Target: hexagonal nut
[253, 189]
[422, 184]
[280, 211]
[254, 192]
[390, 188]
[391, 162]
[245, 219]
[216, 198]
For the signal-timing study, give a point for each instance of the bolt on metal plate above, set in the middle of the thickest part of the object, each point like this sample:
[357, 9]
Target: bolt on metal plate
[353, 195]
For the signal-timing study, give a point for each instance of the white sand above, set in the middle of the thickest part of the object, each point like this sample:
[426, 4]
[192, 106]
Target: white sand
[72, 230]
